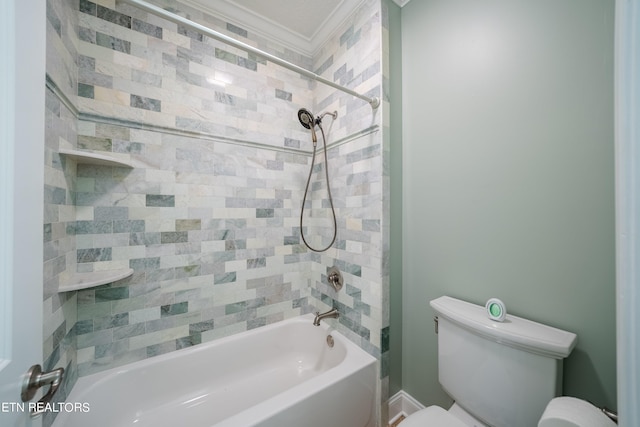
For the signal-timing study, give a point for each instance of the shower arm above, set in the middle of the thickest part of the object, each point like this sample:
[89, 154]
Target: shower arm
[333, 114]
[155, 10]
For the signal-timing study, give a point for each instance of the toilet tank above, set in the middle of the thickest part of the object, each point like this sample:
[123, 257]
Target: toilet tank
[505, 373]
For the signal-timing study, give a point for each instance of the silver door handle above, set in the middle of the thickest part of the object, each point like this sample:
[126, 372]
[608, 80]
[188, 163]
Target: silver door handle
[35, 379]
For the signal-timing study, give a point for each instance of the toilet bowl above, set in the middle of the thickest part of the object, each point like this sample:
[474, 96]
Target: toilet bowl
[502, 374]
[560, 412]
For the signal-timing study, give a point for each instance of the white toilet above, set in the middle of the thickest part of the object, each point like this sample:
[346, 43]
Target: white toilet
[502, 374]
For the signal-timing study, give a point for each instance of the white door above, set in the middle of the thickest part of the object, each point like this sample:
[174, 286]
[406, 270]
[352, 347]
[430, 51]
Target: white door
[22, 79]
[627, 209]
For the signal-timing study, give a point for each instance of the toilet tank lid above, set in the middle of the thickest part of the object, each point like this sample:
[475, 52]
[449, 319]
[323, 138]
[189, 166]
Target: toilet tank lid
[514, 331]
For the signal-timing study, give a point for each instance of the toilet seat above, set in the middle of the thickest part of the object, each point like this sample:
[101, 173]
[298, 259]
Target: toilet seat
[433, 416]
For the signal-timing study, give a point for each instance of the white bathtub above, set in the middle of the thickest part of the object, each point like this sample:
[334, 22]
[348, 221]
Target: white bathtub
[279, 375]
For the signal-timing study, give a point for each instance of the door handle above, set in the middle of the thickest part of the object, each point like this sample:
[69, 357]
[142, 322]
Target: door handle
[35, 379]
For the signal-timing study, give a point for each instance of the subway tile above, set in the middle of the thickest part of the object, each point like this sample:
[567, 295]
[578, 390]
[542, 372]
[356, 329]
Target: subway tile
[159, 200]
[346, 35]
[88, 7]
[188, 224]
[325, 65]
[162, 348]
[264, 213]
[256, 263]
[224, 278]
[95, 338]
[91, 227]
[201, 326]
[187, 271]
[85, 91]
[191, 340]
[145, 103]
[110, 322]
[113, 43]
[281, 94]
[90, 77]
[113, 16]
[354, 39]
[290, 142]
[145, 264]
[226, 56]
[173, 309]
[111, 349]
[237, 30]
[94, 143]
[257, 59]
[93, 255]
[110, 213]
[127, 331]
[174, 237]
[55, 195]
[128, 226]
[111, 294]
[247, 63]
[146, 78]
[189, 33]
[146, 28]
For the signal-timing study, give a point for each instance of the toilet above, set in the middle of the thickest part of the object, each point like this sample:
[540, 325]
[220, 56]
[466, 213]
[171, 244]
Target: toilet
[502, 374]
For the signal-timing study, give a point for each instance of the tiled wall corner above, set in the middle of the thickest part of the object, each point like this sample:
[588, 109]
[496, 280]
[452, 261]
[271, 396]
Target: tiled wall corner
[353, 58]
[59, 309]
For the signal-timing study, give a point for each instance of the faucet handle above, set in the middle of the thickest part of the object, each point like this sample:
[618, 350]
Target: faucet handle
[334, 277]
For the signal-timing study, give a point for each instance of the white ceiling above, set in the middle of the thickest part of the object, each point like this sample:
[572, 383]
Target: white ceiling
[301, 25]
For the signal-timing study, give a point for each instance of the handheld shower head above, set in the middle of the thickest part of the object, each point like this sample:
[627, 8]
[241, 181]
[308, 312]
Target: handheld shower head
[307, 120]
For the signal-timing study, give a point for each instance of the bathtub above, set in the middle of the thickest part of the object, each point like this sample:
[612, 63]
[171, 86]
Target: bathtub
[284, 374]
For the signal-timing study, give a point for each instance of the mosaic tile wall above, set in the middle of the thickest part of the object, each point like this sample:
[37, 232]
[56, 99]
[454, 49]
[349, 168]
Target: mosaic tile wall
[208, 215]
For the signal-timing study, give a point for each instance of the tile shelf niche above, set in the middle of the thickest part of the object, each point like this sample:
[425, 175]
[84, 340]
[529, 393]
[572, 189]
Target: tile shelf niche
[77, 281]
[91, 158]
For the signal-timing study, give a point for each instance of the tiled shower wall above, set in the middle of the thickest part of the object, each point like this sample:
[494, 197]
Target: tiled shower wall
[352, 57]
[206, 218]
[59, 316]
[208, 215]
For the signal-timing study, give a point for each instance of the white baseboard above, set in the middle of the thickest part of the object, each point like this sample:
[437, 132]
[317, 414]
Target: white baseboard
[402, 403]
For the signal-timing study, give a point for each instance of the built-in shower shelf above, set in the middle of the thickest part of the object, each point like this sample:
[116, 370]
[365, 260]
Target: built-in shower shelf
[79, 281]
[91, 158]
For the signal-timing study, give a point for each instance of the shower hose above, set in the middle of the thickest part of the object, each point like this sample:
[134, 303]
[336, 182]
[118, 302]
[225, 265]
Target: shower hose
[306, 190]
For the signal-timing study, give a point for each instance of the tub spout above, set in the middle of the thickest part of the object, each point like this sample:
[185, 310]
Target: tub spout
[331, 313]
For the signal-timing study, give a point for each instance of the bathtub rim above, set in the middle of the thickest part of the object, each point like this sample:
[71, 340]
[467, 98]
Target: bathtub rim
[356, 359]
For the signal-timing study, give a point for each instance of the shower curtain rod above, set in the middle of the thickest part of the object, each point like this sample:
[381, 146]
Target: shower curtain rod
[374, 102]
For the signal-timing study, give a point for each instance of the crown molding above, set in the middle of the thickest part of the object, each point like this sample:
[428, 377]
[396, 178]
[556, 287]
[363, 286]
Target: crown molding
[329, 26]
[252, 22]
[401, 3]
[229, 11]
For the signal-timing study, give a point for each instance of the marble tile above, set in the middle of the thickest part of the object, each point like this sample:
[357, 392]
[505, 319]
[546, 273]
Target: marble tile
[208, 217]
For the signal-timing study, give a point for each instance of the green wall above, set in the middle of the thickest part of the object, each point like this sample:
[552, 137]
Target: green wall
[508, 175]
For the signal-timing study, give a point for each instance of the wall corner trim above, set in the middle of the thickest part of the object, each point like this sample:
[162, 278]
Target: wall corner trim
[402, 403]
